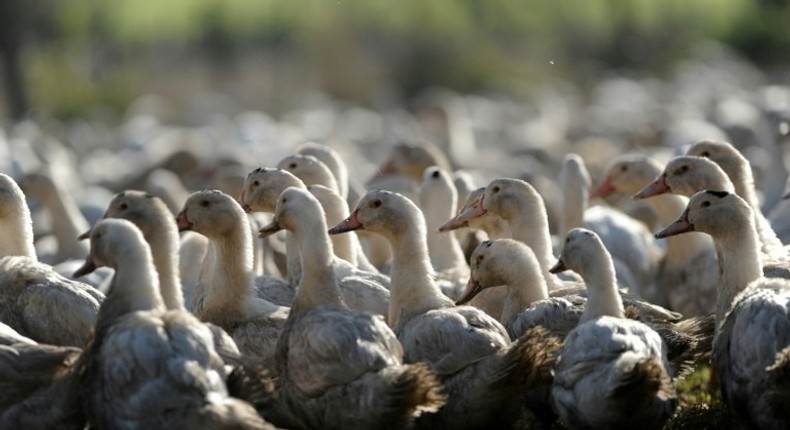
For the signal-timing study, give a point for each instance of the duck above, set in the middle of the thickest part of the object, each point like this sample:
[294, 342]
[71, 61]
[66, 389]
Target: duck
[751, 350]
[519, 203]
[739, 170]
[687, 175]
[225, 294]
[356, 292]
[688, 270]
[170, 350]
[260, 194]
[340, 368]
[67, 220]
[510, 265]
[152, 216]
[631, 244]
[27, 366]
[437, 200]
[310, 170]
[332, 159]
[469, 350]
[347, 246]
[612, 372]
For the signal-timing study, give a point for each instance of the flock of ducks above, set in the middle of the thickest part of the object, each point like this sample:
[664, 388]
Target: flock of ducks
[297, 297]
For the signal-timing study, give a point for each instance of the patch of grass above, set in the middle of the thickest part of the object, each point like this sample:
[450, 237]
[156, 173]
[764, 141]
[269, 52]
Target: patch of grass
[700, 405]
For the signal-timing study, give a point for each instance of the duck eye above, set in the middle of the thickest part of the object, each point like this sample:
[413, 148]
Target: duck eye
[292, 165]
[705, 204]
[495, 190]
[435, 174]
[255, 183]
[284, 200]
[681, 170]
[567, 240]
[204, 203]
[624, 168]
[705, 154]
[376, 203]
[123, 206]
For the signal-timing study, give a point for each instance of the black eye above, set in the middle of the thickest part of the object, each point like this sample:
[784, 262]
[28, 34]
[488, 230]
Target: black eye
[435, 174]
[480, 258]
[284, 200]
[488, 244]
[376, 203]
[681, 170]
[495, 190]
[705, 204]
[123, 206]
[255, 183]
[705, 154]
[292, 165]
[624, 168]
[204, 203]
[567, 240]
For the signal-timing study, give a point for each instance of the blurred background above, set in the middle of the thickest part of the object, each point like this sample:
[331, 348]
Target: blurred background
[79, 58]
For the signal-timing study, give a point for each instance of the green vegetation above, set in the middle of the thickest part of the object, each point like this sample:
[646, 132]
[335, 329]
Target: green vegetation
[98, 51]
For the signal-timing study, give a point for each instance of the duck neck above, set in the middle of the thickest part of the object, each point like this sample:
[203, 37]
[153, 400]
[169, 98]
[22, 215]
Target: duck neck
[343, 246]
[743, 182]
[164, 248]
[134, 287]
[67, 223]
[740, 264]
[526, 286]
[16, 234]
[318, 286]
[532, 228]
[225, 290]
[574, 203]
[412, 289]
[293, 260]
[602, 296]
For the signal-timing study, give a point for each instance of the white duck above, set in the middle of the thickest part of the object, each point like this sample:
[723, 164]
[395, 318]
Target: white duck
[346, 246]
[151, 215]
[340, 368]
[739, 170]
[632, 246]
[67, 220]
[332, 160]
[261, 190]
[491, 300]
[513, 265]
[140, 346]
[751, 351]
[225, 294]
[612, 372]
[689, 269]
[36, 301]
[357, 293]
[438, 199]
[687, 175]
[468, 349]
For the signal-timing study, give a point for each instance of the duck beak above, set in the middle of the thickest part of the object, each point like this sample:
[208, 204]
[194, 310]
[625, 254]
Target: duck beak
[473, 288]
[681, 225]
[657, 187]
[85, 235]
[269, 229]
[243, 203]
[604, 189]
[559, 267]
[462, 219]
[86, 268]
[348, 224]
[183, 222]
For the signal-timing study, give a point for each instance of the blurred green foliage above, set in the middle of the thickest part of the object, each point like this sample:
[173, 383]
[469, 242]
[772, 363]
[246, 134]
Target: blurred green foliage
[353, 47]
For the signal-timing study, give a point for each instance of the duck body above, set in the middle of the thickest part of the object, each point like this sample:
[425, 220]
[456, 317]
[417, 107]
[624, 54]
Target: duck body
[604, 377]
